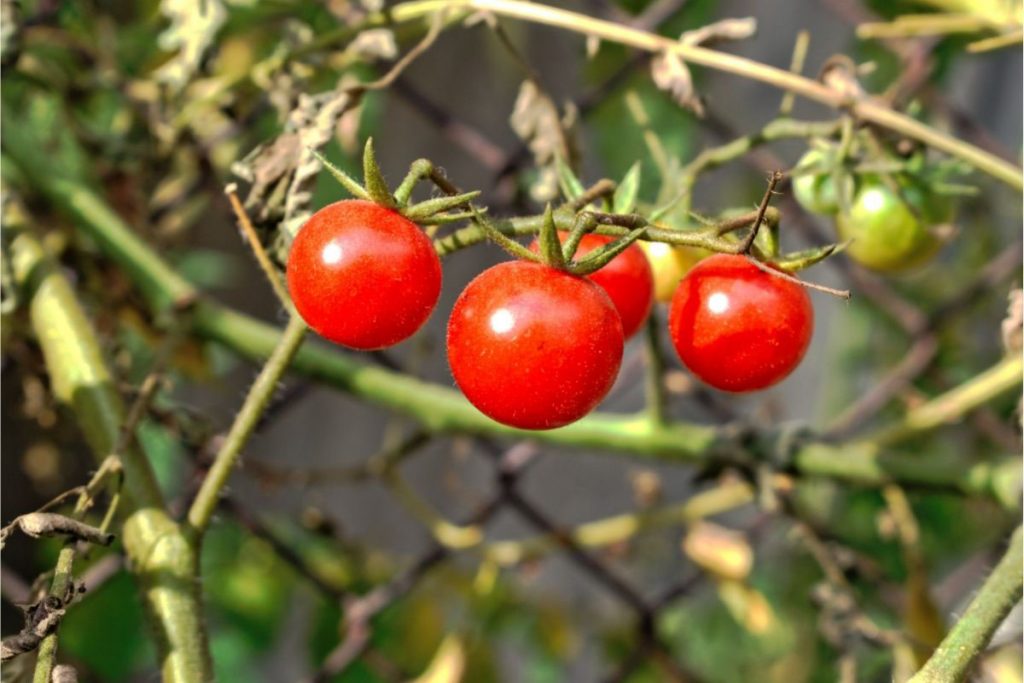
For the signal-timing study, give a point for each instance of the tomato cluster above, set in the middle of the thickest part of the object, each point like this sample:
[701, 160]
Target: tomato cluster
[532, 345]
[888, 222]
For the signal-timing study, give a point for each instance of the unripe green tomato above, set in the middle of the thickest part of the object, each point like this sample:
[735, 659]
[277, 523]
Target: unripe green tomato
[816, 192]
[886, 234]
[669, 264]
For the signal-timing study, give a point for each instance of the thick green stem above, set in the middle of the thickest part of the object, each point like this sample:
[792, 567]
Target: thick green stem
[162, 560]
[245, 422]
[952, 661]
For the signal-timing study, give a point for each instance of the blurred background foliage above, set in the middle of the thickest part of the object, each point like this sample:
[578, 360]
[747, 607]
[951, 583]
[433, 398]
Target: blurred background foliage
[134, 99]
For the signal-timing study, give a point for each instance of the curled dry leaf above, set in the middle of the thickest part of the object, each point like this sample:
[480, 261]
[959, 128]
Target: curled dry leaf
[673, 76]
[538, 122]
[378, 43]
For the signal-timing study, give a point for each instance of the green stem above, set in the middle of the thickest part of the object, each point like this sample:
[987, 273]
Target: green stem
[957, 402]
[864, 109]
[444, 410]
[952, 660]
[242, 428]
[162, 560]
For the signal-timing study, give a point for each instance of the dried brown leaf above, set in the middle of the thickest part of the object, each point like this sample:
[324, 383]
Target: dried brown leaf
[673, 76]
[548, 133]
[726, 29]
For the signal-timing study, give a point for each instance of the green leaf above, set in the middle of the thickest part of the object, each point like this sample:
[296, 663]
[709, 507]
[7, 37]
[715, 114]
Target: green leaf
[624, 200]
[376, 186]
[567, 180]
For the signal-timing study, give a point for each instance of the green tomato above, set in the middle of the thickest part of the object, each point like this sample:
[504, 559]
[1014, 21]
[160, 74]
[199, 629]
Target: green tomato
[885, 232]
[816, 192]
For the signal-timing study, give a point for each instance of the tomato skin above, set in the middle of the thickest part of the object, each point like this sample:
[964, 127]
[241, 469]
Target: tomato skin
[669, 263]
[533, 347]
[362, 275]
[886, 234]
[626, 279]
[737, 327]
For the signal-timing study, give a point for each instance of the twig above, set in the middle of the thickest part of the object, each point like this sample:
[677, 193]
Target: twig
[253, 240]
[245, 422]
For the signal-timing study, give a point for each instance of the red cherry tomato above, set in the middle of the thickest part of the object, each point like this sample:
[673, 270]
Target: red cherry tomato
[534, 347]
[737, 327]
[626, 279]
[362, 275]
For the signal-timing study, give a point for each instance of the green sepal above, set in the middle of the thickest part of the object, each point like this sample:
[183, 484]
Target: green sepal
[448, 218]
[600, 257]
[550, 246]
[374, 179]
[584, 223]
[347, 181]
[798, 260]
[431, 207]
[567, 180]
[501, 239]
[624, 199]
[767, 238]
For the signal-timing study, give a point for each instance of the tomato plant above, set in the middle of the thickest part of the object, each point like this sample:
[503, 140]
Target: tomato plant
[626, 279]
[362, 275]
[534, 347]
[737, 327]
[890, 230]
[669, 264]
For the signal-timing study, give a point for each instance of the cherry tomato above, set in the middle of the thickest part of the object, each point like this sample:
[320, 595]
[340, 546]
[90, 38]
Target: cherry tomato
[626, 279]
[888, 229]
[362, 275]
[534, 347]
[816, 192]
[737, 327]
[669, 264]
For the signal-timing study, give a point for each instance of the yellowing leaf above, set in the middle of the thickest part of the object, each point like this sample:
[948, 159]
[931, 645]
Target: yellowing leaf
[448, 664]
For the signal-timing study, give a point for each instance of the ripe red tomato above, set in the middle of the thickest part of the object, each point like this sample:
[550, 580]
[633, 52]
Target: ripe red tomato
[626, 279]
[362, 275]
[534, 347]
[737, 327]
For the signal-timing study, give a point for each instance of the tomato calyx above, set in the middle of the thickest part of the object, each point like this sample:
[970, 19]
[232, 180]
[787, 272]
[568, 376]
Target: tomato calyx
[435, 211]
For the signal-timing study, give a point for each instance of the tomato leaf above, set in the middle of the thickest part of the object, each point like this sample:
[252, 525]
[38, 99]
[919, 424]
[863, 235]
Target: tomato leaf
[567, 180]
[624, 199]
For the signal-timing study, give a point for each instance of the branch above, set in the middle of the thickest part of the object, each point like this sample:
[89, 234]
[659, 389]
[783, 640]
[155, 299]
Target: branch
[1001, 591]
[243, 426]
[162, 560]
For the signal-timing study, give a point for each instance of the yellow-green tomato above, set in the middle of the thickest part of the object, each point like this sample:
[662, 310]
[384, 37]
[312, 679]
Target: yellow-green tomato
[885, 232]
[816, 192]
[669, 264]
